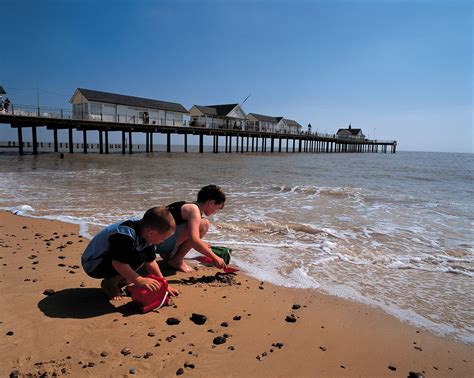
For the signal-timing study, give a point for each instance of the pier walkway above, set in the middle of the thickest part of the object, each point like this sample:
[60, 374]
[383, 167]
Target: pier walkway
[27, 117]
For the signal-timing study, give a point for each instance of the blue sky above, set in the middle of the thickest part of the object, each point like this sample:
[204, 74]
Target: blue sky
[399, 69]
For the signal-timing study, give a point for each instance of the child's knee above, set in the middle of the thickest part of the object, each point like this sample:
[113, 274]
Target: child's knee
[204, 227]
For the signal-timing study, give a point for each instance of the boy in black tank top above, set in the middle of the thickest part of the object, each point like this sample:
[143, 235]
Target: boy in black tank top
[191, 228]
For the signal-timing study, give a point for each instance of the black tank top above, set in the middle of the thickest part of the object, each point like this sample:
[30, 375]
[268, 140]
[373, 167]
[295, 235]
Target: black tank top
[175, 210]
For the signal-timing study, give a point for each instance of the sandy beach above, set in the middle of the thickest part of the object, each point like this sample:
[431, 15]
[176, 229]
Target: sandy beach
[54, 319]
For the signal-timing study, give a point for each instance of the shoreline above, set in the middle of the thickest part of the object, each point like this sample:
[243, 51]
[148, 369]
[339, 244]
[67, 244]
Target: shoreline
[78, 331]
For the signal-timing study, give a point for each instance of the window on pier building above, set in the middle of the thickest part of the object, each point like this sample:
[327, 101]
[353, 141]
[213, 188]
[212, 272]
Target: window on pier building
[96, 109]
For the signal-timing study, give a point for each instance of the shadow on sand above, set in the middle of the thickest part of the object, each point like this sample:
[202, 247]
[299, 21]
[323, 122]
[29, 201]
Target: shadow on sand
[82, 303]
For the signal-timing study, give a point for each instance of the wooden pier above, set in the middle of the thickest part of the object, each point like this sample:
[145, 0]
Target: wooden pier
[235, 140]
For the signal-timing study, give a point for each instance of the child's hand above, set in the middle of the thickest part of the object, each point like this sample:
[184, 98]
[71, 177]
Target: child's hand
[219, 263]
[172, 291]
[148, 283]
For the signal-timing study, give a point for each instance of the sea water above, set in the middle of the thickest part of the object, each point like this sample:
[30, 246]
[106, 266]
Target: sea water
[394, 231]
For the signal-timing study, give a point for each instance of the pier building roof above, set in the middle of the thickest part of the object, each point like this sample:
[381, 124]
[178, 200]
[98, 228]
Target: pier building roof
[292, 123]
[264, 118]
[119, 99]
[220, 111]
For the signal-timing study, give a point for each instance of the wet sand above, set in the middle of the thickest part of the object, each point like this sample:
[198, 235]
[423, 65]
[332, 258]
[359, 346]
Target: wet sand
[55, 319]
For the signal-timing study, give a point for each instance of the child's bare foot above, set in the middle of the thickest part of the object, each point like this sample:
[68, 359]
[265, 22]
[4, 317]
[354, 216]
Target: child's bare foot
[180, 265]
[111, 288]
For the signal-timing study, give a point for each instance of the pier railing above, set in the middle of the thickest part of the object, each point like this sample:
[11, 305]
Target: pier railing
[67, 114]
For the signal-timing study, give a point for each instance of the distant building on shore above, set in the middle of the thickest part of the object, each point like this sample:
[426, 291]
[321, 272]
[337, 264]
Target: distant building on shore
[350, 133]
[110, 107]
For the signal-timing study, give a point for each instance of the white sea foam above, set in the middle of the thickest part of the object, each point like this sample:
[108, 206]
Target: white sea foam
[22, 210]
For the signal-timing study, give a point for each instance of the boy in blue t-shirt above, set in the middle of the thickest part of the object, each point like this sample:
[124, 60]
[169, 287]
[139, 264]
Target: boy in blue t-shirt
[120, 249]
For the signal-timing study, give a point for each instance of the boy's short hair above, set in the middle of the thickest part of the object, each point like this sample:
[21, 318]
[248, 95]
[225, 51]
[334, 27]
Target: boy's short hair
[158, 218]
[211, 192]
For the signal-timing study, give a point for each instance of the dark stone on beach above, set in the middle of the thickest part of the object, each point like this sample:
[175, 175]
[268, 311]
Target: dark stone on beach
[173, 321]
[260, 287]
[278, 345]
[189, 365]
[180, 371]
[198, 319]
[296, 307]
[10, 333]
[151, 334]
[69, 242]
[132, 371]
[413, 374]
[219, 340]
[157, 345]
[418, 348]
[104, 354]
[231, 348]
[126, 351]
[323, 348]
[62, 265]
[170, 338]
[32, 257]
[226, 335]
[91, 364]
[14, 374]
[49, 292]
[224, 324]
[237, 317]
[291, 318]
[147, 355]
[61, 257]
[392, 368]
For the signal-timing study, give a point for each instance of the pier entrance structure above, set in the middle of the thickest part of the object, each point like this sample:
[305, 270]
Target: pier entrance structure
[102, 112]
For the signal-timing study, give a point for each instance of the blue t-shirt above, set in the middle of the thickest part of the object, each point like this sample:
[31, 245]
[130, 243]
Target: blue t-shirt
[120, 242]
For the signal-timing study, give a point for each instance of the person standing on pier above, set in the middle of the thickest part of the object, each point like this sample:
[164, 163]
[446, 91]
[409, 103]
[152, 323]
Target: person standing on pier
[191, 228]
[6, 104]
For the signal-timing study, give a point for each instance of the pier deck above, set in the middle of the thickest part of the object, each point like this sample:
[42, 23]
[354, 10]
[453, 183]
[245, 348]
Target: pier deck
[245, 140]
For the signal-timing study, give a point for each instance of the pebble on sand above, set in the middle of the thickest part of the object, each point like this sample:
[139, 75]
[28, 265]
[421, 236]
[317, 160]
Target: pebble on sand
[126, 351]
[172, 321]
[291, 318]
[219, 340]
[49, 292]
[413, 374]
[198, 318]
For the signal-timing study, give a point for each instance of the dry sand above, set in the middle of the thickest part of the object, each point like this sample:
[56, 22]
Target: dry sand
[77, 331]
